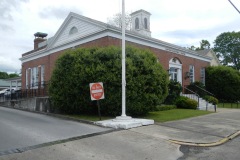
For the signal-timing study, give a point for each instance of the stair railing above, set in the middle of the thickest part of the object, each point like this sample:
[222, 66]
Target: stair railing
[204, 90]
[194, 94]
[215, 108]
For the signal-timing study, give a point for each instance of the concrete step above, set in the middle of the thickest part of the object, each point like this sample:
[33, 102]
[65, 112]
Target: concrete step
[203, 104]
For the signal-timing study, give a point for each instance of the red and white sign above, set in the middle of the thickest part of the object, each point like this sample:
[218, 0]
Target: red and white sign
[96, 91]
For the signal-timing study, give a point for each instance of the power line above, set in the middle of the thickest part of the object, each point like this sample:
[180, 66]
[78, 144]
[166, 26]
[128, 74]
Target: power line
[234, 6]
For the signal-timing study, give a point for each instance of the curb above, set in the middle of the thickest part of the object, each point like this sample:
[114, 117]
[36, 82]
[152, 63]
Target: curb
[212, 144]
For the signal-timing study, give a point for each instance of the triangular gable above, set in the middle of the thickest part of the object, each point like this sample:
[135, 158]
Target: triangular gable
[85, 26]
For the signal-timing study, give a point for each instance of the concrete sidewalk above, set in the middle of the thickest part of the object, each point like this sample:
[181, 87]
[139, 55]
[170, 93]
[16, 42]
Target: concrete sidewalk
[213, 129]
[149, 142]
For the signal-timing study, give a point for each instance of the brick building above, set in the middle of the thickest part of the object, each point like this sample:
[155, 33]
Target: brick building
[76, 31]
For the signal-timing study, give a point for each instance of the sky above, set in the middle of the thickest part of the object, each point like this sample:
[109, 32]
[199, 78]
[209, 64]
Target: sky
[184, 23]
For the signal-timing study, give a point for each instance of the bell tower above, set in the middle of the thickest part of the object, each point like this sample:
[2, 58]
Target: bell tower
[141, 22]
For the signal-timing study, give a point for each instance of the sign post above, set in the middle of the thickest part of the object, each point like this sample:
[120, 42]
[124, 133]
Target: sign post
[97, 93]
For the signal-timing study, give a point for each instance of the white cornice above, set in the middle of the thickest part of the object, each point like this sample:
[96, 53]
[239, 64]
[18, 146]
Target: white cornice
[116, 34]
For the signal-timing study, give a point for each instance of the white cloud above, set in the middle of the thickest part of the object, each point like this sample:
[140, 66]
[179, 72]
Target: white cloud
[184, 22]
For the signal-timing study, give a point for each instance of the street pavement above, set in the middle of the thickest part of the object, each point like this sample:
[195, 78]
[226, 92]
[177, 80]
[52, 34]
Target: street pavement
[203, 129]
[149, 142]
[21, 129]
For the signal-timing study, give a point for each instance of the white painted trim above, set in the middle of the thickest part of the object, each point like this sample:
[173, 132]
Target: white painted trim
[116, 34]
[179, 66]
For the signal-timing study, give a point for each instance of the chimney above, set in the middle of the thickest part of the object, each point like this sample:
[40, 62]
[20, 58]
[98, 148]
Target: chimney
[39, 37]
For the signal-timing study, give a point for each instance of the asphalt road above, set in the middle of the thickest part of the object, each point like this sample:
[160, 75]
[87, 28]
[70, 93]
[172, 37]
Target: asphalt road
[19, 129]
[227, 151]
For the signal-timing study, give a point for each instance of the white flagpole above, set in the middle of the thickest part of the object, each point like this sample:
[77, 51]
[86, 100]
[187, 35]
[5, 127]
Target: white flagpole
[123, 62]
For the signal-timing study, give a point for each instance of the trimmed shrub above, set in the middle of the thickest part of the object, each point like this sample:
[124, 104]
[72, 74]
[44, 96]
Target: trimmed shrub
[211, 99]
[146, 81]
[186, 103]
[224, 83]
[174, 90]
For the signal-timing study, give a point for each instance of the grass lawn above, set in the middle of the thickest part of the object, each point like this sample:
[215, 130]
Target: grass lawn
[158, 116]
[175, 114]
[229, 105]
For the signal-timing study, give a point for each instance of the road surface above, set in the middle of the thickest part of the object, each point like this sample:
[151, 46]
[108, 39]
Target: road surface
[20, 129]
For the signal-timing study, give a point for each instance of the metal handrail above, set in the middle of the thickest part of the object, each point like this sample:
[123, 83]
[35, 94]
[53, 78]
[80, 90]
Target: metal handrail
[204, 90]
[193, 93]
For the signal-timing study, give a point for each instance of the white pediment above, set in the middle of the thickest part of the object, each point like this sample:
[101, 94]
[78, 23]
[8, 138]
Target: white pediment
[75, 27]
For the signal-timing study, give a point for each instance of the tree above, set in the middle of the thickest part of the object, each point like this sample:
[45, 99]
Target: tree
[13, 75]
[3, 75]
[204, 44]
[193, 48]
[146, 81]
[224, 83]
[116, 20]
[227, 48]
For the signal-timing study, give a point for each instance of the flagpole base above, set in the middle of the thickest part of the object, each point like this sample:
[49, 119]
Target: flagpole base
[122, 118]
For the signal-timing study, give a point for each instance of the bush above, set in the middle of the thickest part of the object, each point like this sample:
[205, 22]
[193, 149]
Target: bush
[224, 83]
[146, 81]
[186, 103]
[174, 90]
[211, 99]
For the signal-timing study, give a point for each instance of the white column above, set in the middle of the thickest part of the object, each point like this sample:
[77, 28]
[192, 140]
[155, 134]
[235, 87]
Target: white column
[123, 62]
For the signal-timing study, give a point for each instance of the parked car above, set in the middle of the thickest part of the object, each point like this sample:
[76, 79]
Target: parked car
[3, 91]
[7, 93]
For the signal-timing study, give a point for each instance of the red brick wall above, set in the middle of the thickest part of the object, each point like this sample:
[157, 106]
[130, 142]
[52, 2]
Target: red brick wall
[163, 56]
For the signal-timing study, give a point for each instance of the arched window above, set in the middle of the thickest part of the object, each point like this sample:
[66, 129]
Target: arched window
[73, 30]
[145, 23]
[175, 70]
[136, 23]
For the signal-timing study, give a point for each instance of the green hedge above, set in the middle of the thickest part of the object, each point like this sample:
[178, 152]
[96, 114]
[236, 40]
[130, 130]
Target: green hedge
[186, 103]
[146, 81]
[224, 83]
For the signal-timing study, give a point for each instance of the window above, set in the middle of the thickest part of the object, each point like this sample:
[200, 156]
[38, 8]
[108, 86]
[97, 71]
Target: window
[26, 78]
[73, 30]
[36, 77]
[33, 79]
[42, 76]
[191, 73]
[136, 23]
[145, 23]
[203, 75]
[173, 72]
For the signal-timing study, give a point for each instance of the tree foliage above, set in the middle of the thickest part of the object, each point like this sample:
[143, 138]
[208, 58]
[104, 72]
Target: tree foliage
[5, 75]
[224, 83]
[204, 44]
[116, 20]
[227, 48]
[146, 81]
